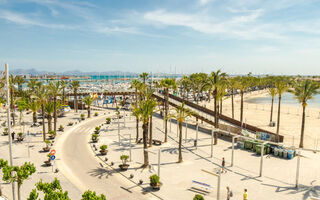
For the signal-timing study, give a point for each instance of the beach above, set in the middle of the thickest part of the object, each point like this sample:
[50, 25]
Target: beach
[258, 114]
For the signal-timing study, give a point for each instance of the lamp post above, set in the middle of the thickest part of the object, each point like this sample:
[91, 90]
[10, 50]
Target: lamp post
[9, 126]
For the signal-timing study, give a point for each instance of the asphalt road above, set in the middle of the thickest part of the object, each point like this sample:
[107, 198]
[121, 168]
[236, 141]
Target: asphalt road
[77, 162]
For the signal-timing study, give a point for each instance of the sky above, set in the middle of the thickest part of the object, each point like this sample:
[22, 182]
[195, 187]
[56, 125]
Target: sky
[182, 36]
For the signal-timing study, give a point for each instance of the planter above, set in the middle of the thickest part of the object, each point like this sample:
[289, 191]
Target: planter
[104, 152]
[70, 124]
[61, 129]
[108, 122]
[5, 133]
[52, 137]
[155, 186]
[46, 149]
[83, 118]
[124, 167]
[95, 141]
[20, 139]
[47, 163]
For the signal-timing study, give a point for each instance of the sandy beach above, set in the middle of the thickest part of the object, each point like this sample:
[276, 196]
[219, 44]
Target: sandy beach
[290, 119]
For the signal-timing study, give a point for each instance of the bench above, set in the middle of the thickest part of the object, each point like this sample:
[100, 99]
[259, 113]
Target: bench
[140, 140]
[202, 185]
[156, 142]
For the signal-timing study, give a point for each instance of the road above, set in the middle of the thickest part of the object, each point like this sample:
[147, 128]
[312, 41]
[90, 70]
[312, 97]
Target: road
[77, 162]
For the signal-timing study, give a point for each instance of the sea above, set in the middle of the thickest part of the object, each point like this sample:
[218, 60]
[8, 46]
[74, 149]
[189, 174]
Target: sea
[287, 98]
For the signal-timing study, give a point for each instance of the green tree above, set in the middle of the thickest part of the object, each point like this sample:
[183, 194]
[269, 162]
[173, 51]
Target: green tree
[89, 195]
[136, 85]
[282, 85]
[181, 115]
[63, 85]
[304, 91]
[54, 91]
[88, 100]
[22, 105]
[3, 164]
[49, 108]
[18, 174]
[34, 106]
[272, 92]
[51, 191]
[243, 86]
[144, 76]
[233, 85]
[167, 84]
[42, 95]
[75, 85]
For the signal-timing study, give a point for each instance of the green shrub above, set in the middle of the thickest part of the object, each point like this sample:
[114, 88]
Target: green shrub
[103, 147]
[20, 134]
[154, 179]
[52, 133]
[60, 127]
[89, 195]
[94, 136]
[82, 116]
[108, 119]
[97, 128]
[198, 197]
[124, 158]
[96, 114]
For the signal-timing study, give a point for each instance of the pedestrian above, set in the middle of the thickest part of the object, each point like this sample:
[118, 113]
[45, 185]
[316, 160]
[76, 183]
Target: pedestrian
[228, 193]
[223, 166]
[245, 194]
[12, 135]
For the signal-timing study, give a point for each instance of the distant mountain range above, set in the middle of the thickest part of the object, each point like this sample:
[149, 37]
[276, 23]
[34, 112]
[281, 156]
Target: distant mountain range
[35, 72]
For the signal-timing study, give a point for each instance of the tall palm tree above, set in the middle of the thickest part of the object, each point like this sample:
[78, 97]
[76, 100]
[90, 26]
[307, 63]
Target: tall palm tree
[75, 85]
[144, 76]
[136, 85]
[198, 84]
[20, 81]
[144, 110]
[63, 85]
[167, 84]
[41, 95]
[232, 87]
[88, 100]
[34, 106]
[282, 86]
[32, 85]
[54, 91]
[22, 105]
[244, 84]
[185, 84]
[181, 115]
[304, 91]
[272, 92]
[49, 109]
[214, 81]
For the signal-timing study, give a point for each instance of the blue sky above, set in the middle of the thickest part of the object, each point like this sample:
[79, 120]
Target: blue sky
[237, 36]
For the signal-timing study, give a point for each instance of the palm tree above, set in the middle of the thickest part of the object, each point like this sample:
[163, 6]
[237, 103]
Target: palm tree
[34, 106]
[233, 84]
[63, 85]
[136, 85]
[244, 84]
[214, 81]
[49, 108]
[221, 93]
[88, 100]
[185, 84]
[304, 91]
[272, 92]
[144, 110]
[75, 85]
[198, 82]
[20, 81]
[41, 95]
[22, 105]
[144, 76]
[54, 91]
[181, 115]
[282, 86]
[167, 84]
[32, 85]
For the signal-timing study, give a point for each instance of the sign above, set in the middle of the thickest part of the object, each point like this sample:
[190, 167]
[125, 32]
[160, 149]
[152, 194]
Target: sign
[52, 152]
[52, 157]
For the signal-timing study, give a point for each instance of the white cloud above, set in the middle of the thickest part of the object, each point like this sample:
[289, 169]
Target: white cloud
[241, 26]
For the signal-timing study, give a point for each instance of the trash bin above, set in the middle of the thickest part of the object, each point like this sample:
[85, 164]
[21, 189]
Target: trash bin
[290, 154]
[275, 151]
[195, 142]
[248, 144]
[258, 149]
[280, 153]
[285, 153]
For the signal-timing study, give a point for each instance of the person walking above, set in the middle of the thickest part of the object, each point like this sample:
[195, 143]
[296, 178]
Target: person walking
[228, 193]
[223, 166]
[245, 194]
[12, 135]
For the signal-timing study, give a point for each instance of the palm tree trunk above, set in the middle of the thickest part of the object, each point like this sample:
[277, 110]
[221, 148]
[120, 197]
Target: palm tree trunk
[220, 106]
[278, 122]
[19, 193]
[166, 115]
[43, 125]
[88, 111]
[34, 116]
[232, 103]
[150, 132]
[55, 114]
[63, 96]
[49, 123]
[302, 125]
[271, 109]
[180, 142]
[241, 108]
[145, 145]
[76, 98]
[137, 129]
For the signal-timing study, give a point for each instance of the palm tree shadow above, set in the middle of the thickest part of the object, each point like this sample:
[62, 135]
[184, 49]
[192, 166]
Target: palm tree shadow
[100, 172]
[173, 150]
